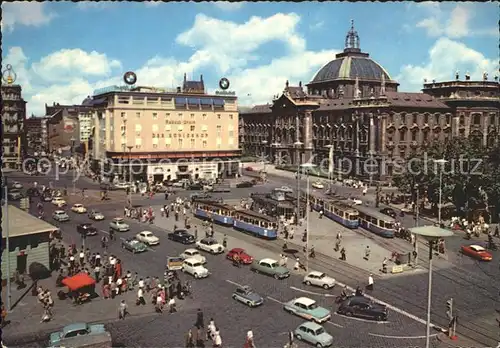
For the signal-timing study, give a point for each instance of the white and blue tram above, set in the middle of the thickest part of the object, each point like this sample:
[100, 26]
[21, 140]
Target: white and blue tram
[220, 213]
[256, 224]
[342, 213]
[374, 221]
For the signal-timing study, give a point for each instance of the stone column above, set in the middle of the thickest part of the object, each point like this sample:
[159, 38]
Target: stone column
[372, 133]
[383, 133]
[97, 136]
[485, 120]
[297, 149]
[308, 135]
[455, 123]
[107, 140]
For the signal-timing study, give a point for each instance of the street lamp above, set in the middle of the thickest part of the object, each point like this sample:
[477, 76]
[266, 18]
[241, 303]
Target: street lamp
[72, 155]
[297, 144]
[330, 166]
[264, 143]
[307, 167]
[432, 234]
[130, 147]
[441, 162]
[277, 160]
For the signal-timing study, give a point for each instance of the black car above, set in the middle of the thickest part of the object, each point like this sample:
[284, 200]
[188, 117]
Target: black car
[389, 212]
[195, 187]
[244, 184]
[362, 307]
[86, 229]
[181, 236]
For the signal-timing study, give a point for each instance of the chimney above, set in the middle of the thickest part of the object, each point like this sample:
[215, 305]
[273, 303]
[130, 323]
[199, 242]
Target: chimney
[300, 84]
[185, 77]
[201, 77]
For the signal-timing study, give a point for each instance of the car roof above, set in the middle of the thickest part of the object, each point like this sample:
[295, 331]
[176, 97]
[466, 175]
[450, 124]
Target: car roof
[311, 325]
[237, 249]
[77, 204]
[191, 250]
[74, 327]
[316, 273]
[477, 247]
[359, 299]
[268, 260]
[209, 239]
[59, 211]
[118, 219]
[192, 260]
[180, 230]
[146, 232]
[305, 300]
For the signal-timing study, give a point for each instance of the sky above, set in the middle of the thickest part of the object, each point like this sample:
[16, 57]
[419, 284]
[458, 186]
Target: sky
[62, 51]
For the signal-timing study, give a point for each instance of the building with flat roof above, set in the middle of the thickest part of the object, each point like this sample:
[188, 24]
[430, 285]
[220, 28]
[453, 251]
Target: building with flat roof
[162, 134]
[13, 120]
[29, 239]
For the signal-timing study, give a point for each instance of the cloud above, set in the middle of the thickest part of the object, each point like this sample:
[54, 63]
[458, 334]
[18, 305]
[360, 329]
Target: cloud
[16, 57]
[93, 5]
[456, 24]
[62, 65]
[317, 25]
[445, 57]
[152, 3]
[68, 76]
[25, 13]
[228, 6]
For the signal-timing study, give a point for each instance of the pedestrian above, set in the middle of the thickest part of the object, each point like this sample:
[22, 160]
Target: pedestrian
[98, 259]
[211, 329]
[384, 265]
[200, 324]
[171, 305]
[190, 343]
[195, 232]
[370, 282]
[122, 310]
[97, 272]
[159, 303]
[343, 254]
[224, 241]
[147, 283]
[141, 283]
[367, 253]
[217, 339]
[71, 262]
[140, 297]
[497, 232]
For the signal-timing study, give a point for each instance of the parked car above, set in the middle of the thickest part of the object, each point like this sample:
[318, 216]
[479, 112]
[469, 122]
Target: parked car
[319, 279]
[147, 238]
[244, 184]
[119, 225]
[318, 185]
[14, 195]
[210, 245]
[95, 215]
[242, 255]
[246, 295]
[355, 201]
[58, 202]
[271, 268]
[362, 307]
[76, 334]
[195, 187]
[133, 245]
[121, 185]
[86, 229]
[308, 309]
[78, 208]
[285, 189]
[47, 197]
[181, 236]
[193, 254]
[195, 268]
[389, 212]
[314, 334]
[477, 252]
[60, 216]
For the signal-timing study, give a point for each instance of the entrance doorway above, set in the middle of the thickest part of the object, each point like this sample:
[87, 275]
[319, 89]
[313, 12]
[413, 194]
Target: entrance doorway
[22, 263]
[158, 178]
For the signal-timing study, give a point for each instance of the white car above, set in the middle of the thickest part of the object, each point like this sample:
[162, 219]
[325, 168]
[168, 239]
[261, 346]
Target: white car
[78, 208]
[195, 268]
[318, 185]
[60, 215]
[210, 245]
[121, 185]
[147, 238]
[118, 224]
[95, 215]
[17, 185]
[193, 254]
[319, 279]
[356, 201]
[285, 189]
[58, 202]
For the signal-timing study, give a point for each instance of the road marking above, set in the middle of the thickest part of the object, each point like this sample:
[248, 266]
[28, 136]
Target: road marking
[275, 300]
[311, 292]
[334, 324]
[401, 337]
[234, 283]
[105, 232]
[395, 309]
[361, 319]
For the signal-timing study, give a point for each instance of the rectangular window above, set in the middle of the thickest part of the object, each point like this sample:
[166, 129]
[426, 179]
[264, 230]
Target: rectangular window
[204, 128]
[192, 116]
[204, 144]
[155, 128]
[168, 127]
[231, 133]
[124, 115]
[155, 146]
[193, 143]
[167, 115]
[219, 130]
[138, 141]
[204, 116]
[155, 141]
[138, 114]
[155, 116]
[180, 115]
[218, 116]
[192, 128]
[168, 141]
[180, 143]
[230, 116]
[123, 128]
[138, 127]
[219, 141]
[180, 128]
[231, 141]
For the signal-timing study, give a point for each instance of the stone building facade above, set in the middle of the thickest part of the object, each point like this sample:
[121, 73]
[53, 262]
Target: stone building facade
[353, 105]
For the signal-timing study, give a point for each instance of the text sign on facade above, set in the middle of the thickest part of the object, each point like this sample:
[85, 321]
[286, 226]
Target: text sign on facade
[228, 93]
[180, 122]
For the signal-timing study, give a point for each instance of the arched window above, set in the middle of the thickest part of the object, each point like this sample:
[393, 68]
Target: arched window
[476, 119]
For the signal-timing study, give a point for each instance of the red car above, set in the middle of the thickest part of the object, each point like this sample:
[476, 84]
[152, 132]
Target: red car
[244, 257]
[477, 252]
[250, 169]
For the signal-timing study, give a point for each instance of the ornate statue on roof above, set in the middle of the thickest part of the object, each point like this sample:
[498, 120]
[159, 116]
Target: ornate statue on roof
[467, 76]
[457, 75]
[382, 84]
[352, 38]
[357, 91]
[485, 76]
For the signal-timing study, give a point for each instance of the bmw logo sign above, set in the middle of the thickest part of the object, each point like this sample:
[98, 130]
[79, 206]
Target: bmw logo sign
[130, 78]
[224, 83]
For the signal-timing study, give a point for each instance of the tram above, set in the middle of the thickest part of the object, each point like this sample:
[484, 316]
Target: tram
[255, 223]
[342, 213]
[220, 213]
[374, 221]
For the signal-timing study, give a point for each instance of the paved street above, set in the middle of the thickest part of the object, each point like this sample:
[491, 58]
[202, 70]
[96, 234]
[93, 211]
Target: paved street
[472, 286]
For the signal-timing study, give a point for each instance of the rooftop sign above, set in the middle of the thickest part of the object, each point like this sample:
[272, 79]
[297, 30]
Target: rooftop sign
[111, 89]
[225, 93]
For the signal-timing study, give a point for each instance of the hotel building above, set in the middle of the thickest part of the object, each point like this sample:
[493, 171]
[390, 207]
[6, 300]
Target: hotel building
[164, 134]
[13, 120]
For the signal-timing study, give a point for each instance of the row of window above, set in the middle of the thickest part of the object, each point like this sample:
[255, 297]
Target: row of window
[180, 116]
[180, 143]
[180, 128]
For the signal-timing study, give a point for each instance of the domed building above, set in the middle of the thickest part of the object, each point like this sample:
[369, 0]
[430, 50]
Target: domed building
[351, 112]
[338, 77]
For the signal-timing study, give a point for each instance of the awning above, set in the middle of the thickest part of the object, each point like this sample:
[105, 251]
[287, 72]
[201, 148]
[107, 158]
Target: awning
[78, 281]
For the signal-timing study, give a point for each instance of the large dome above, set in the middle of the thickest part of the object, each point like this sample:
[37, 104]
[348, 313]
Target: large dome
[349, 67]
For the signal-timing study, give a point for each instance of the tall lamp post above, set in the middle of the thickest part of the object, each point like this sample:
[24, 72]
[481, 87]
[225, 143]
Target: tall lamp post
[330, 167]
[73, 158]
[432, 234]
[298, 144]
[130, 147]
[441, 162]
[7, 245]
[263, 155]
[307, 167]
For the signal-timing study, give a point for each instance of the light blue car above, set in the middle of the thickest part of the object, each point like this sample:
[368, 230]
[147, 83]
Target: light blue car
[314, 334]
[308, 309]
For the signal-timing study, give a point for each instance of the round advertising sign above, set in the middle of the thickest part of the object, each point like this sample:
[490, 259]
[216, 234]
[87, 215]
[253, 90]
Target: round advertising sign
[130, 78]
[224, 83]
[69, 126]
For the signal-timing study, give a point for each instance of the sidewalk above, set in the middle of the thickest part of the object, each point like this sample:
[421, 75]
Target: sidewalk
[443, 341]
